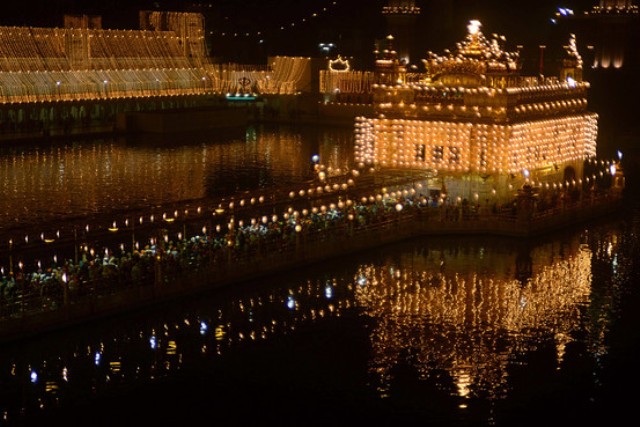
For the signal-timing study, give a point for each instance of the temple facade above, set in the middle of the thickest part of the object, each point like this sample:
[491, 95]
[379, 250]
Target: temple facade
[477, 128]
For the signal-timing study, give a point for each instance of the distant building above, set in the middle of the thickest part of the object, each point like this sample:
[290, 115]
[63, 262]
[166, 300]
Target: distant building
[611, 29]
[609, 35]
[401, 18]
[83, 75]
[390, 69]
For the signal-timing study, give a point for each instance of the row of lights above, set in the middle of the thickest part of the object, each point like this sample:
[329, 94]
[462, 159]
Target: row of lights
[325, 188]
[451, 145]
[384, 196]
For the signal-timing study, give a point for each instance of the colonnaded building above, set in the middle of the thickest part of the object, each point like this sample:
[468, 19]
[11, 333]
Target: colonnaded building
[84, 75]
[476, 127]
[56, 75]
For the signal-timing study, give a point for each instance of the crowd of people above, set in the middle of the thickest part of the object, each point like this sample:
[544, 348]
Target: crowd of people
[36, 286]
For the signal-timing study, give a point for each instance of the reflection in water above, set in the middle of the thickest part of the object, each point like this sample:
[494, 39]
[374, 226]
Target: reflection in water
[57, 181]
[471, 323]
[438, 304]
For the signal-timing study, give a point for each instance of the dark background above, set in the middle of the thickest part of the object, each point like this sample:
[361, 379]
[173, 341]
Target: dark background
[352, 25]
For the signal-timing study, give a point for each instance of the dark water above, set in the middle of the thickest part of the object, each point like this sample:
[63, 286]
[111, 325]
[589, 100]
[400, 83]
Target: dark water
[44, 183]
[434, 331]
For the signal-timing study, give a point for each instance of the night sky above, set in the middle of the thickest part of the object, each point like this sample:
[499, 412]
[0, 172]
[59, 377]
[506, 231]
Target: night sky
[352, 25]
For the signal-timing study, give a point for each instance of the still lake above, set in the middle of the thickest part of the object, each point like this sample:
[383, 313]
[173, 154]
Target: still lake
[431, 331]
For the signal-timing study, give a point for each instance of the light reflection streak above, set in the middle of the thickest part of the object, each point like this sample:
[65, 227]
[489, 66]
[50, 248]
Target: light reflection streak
[464, 309]
[44, 183]
[468, 323]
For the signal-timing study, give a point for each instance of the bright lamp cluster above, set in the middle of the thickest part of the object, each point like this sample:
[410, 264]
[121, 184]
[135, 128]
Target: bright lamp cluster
[475, 147]
[474, 114]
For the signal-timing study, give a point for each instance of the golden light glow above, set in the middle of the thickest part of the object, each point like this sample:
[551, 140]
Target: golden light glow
[474, 116]
[466, 322]
[166, 57]
[474, 27]
[339, 65]
[475, 147]
[434, 306]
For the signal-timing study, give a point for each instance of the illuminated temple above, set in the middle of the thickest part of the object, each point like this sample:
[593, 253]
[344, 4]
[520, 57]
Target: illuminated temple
[478, 127]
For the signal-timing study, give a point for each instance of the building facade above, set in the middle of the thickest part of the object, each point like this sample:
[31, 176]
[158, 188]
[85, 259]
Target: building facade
[84, 74]
[479, 129]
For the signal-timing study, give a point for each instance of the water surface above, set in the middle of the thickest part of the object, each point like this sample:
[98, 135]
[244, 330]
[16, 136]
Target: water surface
[433, 331]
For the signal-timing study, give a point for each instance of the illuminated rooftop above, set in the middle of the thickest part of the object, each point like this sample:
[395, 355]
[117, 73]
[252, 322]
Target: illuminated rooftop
[475, 55]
